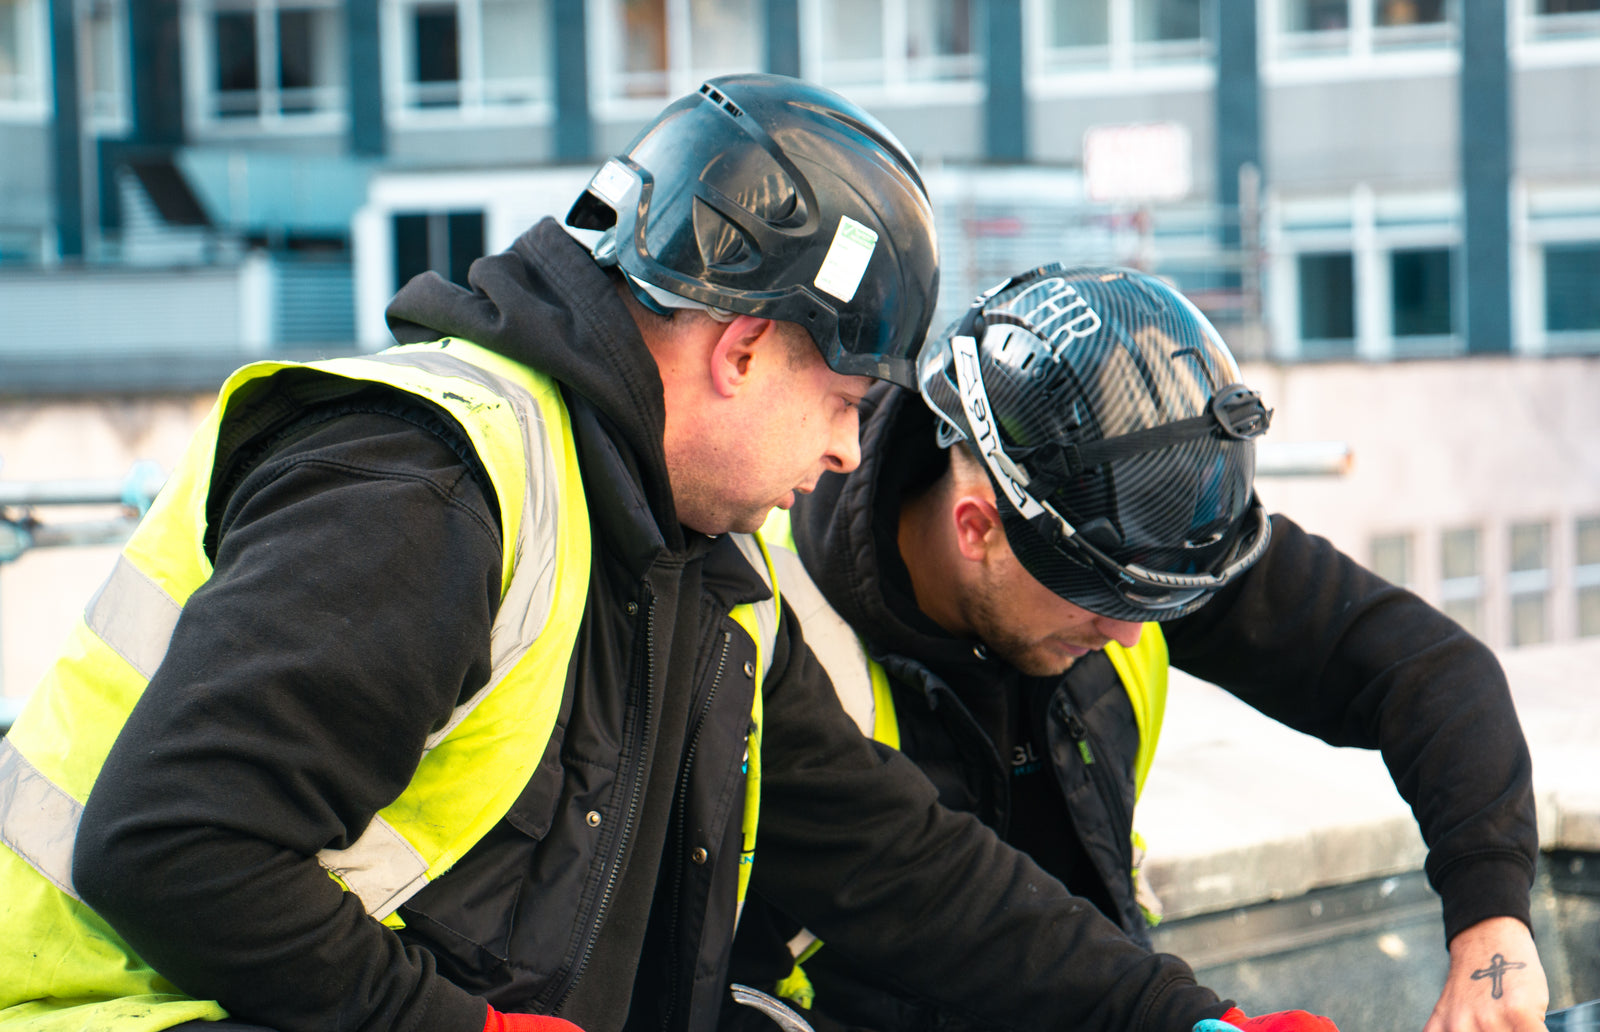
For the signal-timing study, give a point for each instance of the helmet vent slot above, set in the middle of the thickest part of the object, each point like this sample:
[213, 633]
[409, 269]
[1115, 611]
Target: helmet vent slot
[717, 97]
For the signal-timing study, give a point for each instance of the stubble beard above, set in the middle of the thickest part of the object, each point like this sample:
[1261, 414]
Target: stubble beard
[1033, 657]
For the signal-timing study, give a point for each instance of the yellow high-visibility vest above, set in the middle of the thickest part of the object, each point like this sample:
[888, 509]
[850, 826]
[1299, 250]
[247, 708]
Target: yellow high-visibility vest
[61, 966]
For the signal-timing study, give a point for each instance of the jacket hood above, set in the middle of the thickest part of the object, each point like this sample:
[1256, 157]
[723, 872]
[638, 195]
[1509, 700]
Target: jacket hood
[544, 303]
[847, 531]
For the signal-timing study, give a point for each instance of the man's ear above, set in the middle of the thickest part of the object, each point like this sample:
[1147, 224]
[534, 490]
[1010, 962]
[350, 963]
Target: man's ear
[733, 352]
[977, 526]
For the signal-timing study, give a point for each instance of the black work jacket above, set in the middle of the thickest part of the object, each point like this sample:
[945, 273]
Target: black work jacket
[957, 724]
[356, 575]
[1306, 636]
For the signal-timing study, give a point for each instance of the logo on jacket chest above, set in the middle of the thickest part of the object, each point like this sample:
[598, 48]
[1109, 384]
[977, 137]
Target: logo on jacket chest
[1024, 759]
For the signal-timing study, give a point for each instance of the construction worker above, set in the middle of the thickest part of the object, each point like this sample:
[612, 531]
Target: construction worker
[1067, 509]
[444, 689]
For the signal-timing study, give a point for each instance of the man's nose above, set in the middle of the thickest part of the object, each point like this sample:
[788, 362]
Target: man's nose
[844, 450]
[1123, 632]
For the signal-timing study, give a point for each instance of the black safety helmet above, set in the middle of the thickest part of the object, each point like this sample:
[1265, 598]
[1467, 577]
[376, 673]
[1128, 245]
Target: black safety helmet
[1109, 415]
[772, 197]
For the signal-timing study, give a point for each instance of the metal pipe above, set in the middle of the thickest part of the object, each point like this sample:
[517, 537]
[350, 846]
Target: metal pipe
[60, 492]
[85, 532]
[136, 489]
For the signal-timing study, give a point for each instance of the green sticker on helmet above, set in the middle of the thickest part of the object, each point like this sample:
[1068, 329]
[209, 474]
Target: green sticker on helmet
[847, 259]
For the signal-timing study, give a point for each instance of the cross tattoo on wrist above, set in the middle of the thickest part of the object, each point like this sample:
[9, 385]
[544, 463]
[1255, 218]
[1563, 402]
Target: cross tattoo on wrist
[1496, 972]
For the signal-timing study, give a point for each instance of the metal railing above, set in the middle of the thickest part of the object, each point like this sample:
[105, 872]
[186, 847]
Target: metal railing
[22, 528]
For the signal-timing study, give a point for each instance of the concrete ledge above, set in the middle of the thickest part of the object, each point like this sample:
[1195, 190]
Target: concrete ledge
[1239, 809]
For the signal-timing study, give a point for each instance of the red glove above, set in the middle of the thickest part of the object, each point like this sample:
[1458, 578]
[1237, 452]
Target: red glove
[497, 1022]
[1280, 1021]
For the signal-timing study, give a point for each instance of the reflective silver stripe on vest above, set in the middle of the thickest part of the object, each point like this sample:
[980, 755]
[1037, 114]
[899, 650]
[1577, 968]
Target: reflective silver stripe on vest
[134, 616]
[526, 605]
[38, 820]
[766, 611]
[380, 867]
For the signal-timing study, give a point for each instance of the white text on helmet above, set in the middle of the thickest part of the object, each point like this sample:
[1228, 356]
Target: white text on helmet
[985, 436]
[1059, 314]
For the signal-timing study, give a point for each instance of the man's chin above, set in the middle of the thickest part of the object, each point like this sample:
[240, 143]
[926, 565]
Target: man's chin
[1046, 659]
[751, 523]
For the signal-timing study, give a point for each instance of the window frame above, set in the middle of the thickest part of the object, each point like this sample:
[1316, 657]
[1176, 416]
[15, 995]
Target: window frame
[1372, 227]
[1405, 542]
[474, 105]
[1366, 48]
[681, 75]
[1585, 576]
[899, 82]
[114, 116]
[35, 106]
[1130, 65]
[1545, 216]
[330, 115]
[1464, 588]
[1538, 39]
[1526, 583]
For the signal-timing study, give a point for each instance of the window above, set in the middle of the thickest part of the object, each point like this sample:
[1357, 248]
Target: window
[1089, 34]
[1420, 288]
[894, 42]
[21, 35]
[1460, 582]
[272, 59]
[1587, 575]
[445, 242]
[664, 48]
[1529, 583]
[472, 54]
[1361, 27]
[1564, 19]
[939, 39]
[435, 57]
[1079, 24]
[1391, 558]
[1398, 15]
[1571, 304]
[104, 64]
[1327, 304]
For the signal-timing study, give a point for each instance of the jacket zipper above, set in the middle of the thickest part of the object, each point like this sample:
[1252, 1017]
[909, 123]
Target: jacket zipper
[1098, 773]
[938, 694]
[679, 805]
[641, 763]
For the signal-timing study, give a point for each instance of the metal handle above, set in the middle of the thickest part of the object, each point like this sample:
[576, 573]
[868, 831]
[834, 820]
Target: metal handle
[771, 1006]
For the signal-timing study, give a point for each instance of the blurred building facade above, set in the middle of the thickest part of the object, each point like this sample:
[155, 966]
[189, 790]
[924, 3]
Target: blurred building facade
[1387, 200]
[1362, 193]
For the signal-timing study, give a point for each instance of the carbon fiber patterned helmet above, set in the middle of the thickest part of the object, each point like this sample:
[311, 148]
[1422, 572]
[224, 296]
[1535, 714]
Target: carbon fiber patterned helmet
[772, 197]
[1109, 415]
